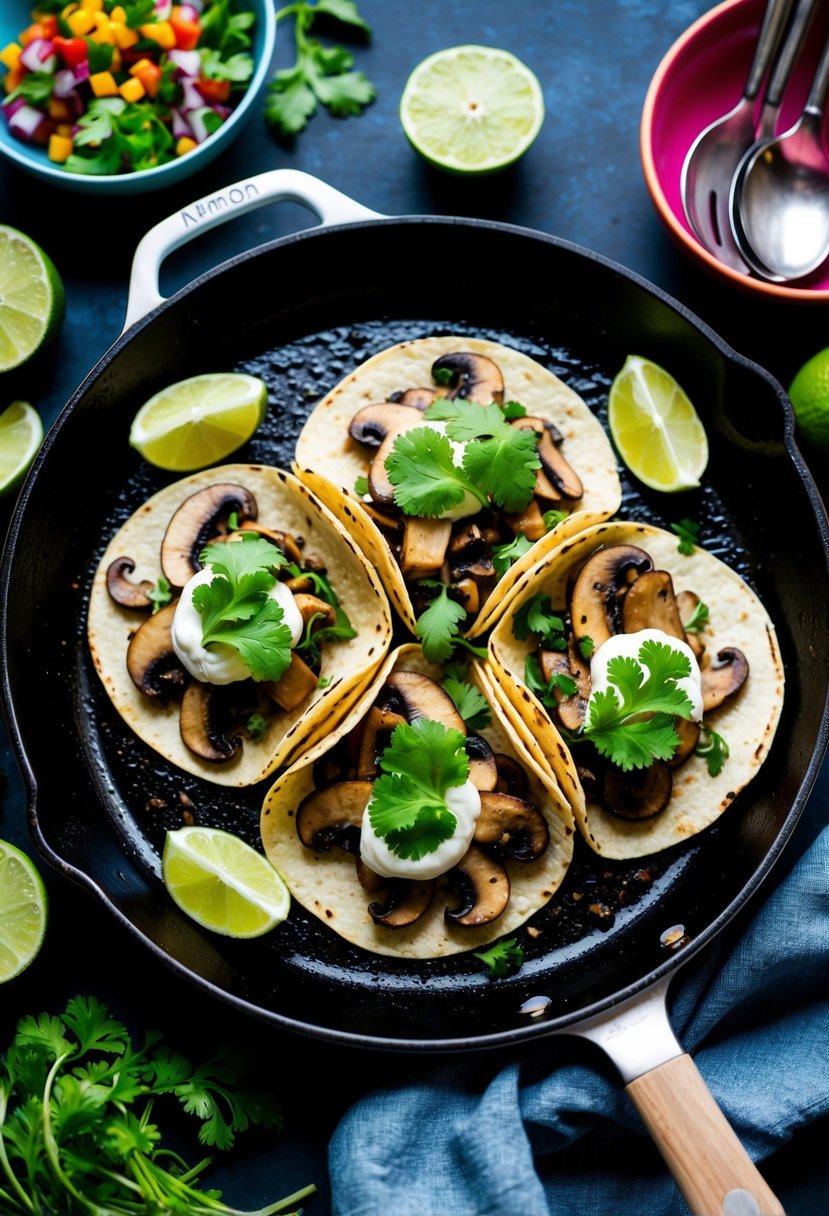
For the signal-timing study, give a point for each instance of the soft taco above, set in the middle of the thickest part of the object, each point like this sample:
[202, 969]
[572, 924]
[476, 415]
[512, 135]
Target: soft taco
[467, 868]
[232, 620]
[650, 678]
[456, 463]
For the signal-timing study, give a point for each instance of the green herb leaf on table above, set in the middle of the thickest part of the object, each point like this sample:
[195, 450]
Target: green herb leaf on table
[714, 750]
[688, 532]
[469, 701]
[437, 625]
[502, 959]
[408, 802]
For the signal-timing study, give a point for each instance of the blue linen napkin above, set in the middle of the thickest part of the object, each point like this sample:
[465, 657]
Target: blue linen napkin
[484, 1134]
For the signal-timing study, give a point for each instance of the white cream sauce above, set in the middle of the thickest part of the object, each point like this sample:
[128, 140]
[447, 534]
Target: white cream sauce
[463, 801]
[628, 645]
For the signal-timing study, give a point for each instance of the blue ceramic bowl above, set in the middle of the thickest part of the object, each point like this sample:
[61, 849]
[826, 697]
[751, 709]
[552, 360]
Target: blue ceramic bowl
[15, 15]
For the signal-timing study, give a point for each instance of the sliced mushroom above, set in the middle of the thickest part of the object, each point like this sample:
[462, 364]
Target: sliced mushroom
[337, 764]
[152, 663]
[293, 686]
[405, 902]
[723, 679]
[194, 523]
[311, 605]
[512, 779]
[374, 423]
[424, 546]
[129, 595]
[282, 540]
[596, 599]
[469, 555]
[483, 887]
[512, 826]
[397, 419]
[201, 730]
[392, 525]
[474, 377]
[571, 709]
[333, 815]
[529, 523]
[377, 727]
[651, 604]
[469, 595]
[686, 603]
[483, 771]
[418, 696]
[560, 474]
[688, 732]
[417, 398]
[640, 794]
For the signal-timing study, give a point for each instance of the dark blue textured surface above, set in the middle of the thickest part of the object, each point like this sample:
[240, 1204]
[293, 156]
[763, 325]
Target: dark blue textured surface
[582, 181]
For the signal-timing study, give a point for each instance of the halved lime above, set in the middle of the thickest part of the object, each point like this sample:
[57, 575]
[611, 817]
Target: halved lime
[24, 911]
[196, 422]
[656, 429]
[31, 298]
[472, 109]
[223, 883]
[21, 434]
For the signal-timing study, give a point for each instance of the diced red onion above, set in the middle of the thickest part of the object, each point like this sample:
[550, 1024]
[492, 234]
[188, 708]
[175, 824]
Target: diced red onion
[81, 71]
[187, 62]
[224, 112]
[191, 97]
[163, 9]
[26, 122]
[181, 127]
[39, 56]
[11, 107]
[187, 12]
[64, 83]
[196, 118]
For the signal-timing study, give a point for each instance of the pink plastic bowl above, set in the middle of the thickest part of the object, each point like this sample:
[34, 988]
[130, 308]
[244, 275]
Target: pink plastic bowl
[701, 78]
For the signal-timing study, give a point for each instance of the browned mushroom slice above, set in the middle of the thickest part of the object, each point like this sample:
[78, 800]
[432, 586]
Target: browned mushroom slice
[651, 604]
[282, 540]
[723, 679]
[469, 595]
[377, 727]
[483, 771]
[396, 419]
[293, 686]
[369, 879]
[152, 663]
[417, 696]
[390, 524]
[512, 826]
[311, 605]
[596, 599]
[560, 474]
[512, 778]
[688, 732]
[687, 603]
[472, 377]
[469, 555]
[424, 546]
[374, 423]
[333, 815]
[200, 728]
[529, 523]
[129, 595]
[545, 490]
[483, 887]
[572, 709]
[405, 902]
[417, 398]
[640, 794]
[194, 523]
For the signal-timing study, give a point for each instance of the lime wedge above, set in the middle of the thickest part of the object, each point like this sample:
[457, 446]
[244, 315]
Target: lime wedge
[21, 434]
[23, 911]
[223, 883]
[31, 298]
[656, 430]
[472, 109]
[196, 422]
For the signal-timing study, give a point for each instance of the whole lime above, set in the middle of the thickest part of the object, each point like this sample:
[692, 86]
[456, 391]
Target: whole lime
[809, 395]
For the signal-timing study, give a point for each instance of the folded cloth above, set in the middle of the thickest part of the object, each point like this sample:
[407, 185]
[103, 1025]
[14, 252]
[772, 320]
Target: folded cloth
[483, 1134]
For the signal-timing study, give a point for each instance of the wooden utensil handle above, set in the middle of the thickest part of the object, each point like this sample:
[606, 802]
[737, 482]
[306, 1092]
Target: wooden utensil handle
[710, 1165]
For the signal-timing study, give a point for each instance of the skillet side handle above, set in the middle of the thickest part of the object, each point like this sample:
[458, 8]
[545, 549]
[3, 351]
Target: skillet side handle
[708, 1162]
[276, 185]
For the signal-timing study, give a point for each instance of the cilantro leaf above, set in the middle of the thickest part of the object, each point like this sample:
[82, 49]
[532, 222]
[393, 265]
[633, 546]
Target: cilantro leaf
[697, 620]
[345, 11]
[35, 88]
[537, 616]
[408, 803]
[586, 647]
[502, 958]
[290, 102]
[236, 558]
[688, 533]
[499, 459]
[714, 750]
[361, 485]
[469, 701]
[513, 409]
[425, 477]
[256, 726]
[553, 518]
[437, 625]
[545, 689]
[160, 594]
[504, 555]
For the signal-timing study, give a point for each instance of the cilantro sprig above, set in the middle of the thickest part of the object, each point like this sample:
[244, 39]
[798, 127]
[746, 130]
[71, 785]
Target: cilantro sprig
[408, 802]
[538, 616]
[437, 626]
[713, 749]
[545, 690]
[631, 721]
[469, 701]
[513, 550]
[502, 959]
[320, 74]
[688, 532]
[79, 1127]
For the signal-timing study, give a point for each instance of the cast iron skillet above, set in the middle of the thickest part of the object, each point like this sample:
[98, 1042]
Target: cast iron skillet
[616, 932]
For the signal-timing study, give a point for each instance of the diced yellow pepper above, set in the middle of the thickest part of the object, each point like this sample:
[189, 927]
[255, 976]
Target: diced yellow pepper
[81, 22]
[185, 144]
[124, 36]
[103, 84]
[102, 19]
[132, 89]
[70, 8]
[161, 32]
[116, 65]
[58, 109]
[104, 37]
[93, 6]
[118, 14]
[64, 129]
[139, 66]
[10, 55]
[60, 148]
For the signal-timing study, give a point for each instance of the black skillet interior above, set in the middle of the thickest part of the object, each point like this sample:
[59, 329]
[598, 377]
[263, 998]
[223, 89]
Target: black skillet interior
[370, 285]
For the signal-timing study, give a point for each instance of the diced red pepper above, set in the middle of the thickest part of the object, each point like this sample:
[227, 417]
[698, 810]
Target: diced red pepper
[71, 50]
[149, 74]
[213, 91]
[187, 32]
[38, 29]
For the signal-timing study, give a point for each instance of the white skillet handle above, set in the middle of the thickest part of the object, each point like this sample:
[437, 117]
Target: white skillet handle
[277, 185]
[709, 1164]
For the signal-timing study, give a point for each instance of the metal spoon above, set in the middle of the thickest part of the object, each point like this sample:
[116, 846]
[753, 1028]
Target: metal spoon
[780, 197]
[714, 155]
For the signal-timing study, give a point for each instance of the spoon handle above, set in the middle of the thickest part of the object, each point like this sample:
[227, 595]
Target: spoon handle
[820, 85]
[789, 51]
[774, 21]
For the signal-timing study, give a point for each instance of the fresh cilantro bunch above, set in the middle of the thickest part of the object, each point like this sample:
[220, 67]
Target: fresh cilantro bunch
[408, 801]
[319, 73]
[631, 722]
[237, 608]
[79, 1129]
[502, 958]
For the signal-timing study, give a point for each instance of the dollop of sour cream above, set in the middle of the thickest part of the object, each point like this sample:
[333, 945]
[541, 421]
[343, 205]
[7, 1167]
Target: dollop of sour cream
[220, 664]
[628, 645]
[463, 801]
